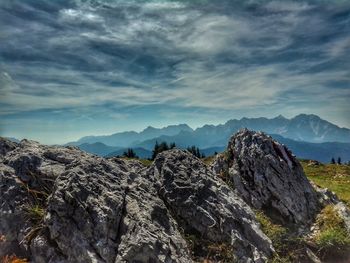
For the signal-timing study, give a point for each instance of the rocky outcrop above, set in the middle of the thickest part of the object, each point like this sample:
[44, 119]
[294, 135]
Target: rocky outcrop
[268, 177]
[59, 204]
[94, 210]
[113, 216]
[206, 206]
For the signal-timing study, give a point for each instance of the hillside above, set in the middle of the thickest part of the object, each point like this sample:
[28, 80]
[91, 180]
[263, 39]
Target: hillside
[322, 152]
[332, 176]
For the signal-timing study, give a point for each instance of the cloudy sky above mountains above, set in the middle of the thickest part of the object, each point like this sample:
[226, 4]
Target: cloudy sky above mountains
[72, 68]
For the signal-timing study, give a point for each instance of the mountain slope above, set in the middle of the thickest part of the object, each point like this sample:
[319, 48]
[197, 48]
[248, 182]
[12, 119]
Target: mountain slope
[303, 127]
[322, 152]
[140, 152]
[312, 128]
[97, 148]
[125, 139]
[308, 136]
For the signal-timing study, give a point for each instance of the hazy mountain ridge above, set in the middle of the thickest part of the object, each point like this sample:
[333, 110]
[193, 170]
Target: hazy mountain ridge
[303, 127]
[125, 139]
[98, 148]
[308, 136]
[322, 152]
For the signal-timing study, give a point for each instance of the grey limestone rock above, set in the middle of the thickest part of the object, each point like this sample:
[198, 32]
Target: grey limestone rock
[206, 206]
[268, 177]
[115, 210]
[95, 210]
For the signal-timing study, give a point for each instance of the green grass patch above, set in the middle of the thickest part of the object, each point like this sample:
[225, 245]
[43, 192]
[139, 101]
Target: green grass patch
[275, 232]
[332, 176]
[145, 162]
[289, 248]
[35, 214]
[332, 240]
[209, 160]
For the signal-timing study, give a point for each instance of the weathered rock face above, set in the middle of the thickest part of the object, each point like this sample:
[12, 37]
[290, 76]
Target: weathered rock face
[59, 204]
[95, 210]
[110, 213]
[207, 206]
[268, 177]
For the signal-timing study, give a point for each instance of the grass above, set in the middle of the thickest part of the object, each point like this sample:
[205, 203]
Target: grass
[209, 159]
[35, 213]
[203, 250]
[287, 246]
[332, 240]
[145, 162]
[332, 176]
[275, 232]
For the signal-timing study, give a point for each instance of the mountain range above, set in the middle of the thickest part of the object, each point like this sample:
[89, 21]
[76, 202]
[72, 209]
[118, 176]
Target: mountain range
[308, 136]
[126, 139]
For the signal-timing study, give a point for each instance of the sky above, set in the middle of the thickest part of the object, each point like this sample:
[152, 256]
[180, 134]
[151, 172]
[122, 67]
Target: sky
[70, 68]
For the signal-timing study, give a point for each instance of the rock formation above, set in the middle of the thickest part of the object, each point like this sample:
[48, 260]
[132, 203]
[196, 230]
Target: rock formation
[206, 206]
[59, 204]
[268, 177]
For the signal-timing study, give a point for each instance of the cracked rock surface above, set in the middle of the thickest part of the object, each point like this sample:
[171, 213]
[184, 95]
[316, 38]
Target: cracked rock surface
[268, 177]
[207, 206]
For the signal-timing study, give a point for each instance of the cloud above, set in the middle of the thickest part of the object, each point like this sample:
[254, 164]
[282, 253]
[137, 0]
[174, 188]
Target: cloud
[202, 56]
[76, 17]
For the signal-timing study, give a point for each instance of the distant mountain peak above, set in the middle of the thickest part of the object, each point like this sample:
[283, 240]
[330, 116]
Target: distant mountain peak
[280, 117]
[307, 117]
[149, 128]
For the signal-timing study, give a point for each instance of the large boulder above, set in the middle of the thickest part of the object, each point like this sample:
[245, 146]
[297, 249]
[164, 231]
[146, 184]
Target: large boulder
[207, 207]
[268, 177]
